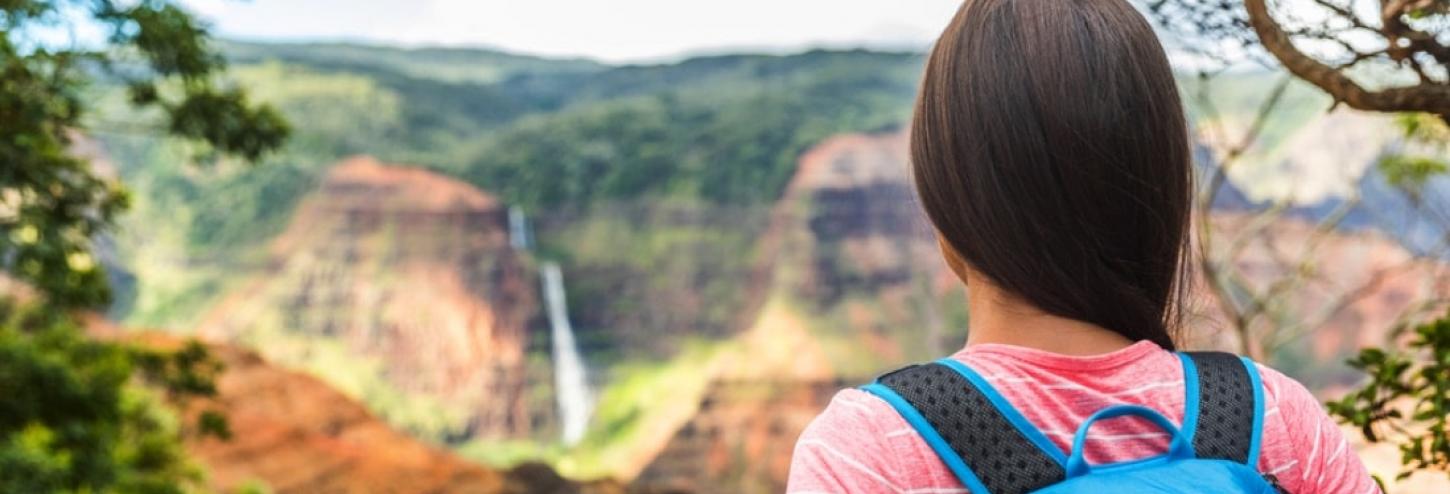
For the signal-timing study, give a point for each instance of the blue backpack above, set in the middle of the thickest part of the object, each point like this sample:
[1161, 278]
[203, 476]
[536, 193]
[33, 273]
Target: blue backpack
[993, 449]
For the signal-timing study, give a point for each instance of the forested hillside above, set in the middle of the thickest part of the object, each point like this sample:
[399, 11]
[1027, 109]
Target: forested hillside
[536, 132]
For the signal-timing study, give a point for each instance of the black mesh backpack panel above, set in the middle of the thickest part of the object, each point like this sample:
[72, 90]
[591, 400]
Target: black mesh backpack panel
[996, 451]
[1225, 407]
[1007, 462]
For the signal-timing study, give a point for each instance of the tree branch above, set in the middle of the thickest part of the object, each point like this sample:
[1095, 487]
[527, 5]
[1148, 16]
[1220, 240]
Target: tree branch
[1427, 98]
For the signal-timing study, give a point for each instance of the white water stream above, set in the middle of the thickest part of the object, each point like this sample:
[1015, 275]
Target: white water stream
[571, 379]
[518, 229]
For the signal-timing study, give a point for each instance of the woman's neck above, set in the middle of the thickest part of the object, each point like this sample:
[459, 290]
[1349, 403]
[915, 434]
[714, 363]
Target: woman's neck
[997, 317]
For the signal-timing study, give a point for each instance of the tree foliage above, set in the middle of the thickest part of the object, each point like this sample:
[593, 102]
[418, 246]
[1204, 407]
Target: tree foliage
[1411, 169]
[1407, 399]
[73, 418]
[81, 415]
[53, 204]
[730, 137]
[1407, 396]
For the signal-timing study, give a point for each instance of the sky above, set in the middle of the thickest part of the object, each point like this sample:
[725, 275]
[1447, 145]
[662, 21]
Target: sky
[608, 30]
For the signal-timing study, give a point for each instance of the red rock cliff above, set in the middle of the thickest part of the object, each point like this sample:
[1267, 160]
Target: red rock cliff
[407, 269]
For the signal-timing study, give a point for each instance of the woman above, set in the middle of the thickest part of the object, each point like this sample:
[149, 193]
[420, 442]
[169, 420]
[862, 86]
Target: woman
[1050, 152]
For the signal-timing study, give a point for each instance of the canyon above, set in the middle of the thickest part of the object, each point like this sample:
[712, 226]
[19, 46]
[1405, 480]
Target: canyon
[406, 291]
[471, 271]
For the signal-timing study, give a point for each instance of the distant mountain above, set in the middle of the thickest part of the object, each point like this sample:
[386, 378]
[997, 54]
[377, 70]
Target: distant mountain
[1332, 160]
[446, 64]
[720, 74]
[1420, 222]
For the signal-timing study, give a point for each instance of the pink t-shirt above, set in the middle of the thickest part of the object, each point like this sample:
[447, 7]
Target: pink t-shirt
[860, 444]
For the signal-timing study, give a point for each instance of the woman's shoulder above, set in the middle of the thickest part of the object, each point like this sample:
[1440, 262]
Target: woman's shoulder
[1282, 390]
[843, 447]
[860, 444]
[851, 414]
[1302, 446]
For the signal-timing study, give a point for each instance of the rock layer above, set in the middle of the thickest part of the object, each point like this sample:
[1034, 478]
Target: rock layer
[409, 270]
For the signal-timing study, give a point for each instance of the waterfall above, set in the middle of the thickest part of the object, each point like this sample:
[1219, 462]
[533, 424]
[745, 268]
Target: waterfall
[518, 229]
[571, 382]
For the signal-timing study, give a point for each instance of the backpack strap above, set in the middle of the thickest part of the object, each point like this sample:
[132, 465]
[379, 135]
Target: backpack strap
[987, 444]
[1223, 411]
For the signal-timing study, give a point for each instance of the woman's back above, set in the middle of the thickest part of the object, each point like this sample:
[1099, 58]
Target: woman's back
[1050, 152]
[861, 444]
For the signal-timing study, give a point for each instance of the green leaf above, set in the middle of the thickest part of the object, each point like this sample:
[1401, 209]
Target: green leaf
[1417, 378]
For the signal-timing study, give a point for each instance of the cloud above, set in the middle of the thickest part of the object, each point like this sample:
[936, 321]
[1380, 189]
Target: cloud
[615, 30]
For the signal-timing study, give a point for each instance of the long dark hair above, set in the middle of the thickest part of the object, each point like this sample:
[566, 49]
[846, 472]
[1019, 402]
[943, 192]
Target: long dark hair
[1049, 150]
